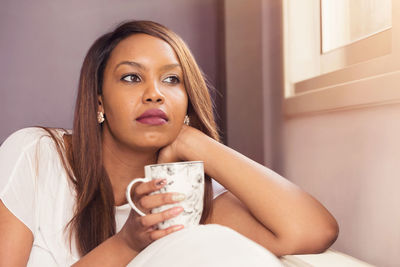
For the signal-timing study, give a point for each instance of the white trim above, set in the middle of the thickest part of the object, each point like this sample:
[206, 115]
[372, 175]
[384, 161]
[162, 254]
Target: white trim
[371, 91]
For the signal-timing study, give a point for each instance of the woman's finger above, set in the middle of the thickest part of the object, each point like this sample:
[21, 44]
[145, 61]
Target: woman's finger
[161, 233]
[149, 187]
[153, 201]
[144, 189]
[155, 218]
[151, 229]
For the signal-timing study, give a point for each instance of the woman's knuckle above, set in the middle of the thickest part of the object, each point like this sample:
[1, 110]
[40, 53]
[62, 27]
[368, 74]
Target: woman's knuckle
[153, 236]
[143, 221]
[137, 189]
[143, 202]
[155, 184]
[165, 215]
[166, 198]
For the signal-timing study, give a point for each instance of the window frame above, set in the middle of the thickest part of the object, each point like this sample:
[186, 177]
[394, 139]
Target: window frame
[369, 78]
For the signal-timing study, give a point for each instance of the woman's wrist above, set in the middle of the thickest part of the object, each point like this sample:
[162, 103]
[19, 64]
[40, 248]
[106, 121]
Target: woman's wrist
[122, 238]
[189, 140]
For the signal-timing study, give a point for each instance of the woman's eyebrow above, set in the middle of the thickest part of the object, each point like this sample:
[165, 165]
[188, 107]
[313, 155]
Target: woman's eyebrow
[131, 63]
[170, 66]
[142, 67]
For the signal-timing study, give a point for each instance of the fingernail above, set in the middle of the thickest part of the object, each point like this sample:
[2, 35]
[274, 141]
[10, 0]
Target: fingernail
[178, 197]
[161, 183]
[177, 227]
[175, 211]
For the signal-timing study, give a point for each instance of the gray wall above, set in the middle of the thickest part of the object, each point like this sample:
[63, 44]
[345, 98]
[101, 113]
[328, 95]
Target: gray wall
[43, 43]
[244, 80]
[253, 52]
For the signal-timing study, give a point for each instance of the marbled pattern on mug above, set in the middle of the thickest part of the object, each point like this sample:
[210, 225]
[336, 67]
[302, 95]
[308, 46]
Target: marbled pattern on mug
[191, 183]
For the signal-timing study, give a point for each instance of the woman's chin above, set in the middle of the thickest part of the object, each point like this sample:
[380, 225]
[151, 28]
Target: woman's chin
[153, 147]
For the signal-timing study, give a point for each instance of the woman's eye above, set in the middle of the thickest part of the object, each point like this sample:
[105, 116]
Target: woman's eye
[131, 78]
[172, 79]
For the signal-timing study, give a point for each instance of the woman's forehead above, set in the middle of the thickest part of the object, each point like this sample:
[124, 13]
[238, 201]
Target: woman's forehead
[145, 49]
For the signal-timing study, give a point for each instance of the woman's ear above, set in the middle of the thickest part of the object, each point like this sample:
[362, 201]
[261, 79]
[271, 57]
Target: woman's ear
[100, 103]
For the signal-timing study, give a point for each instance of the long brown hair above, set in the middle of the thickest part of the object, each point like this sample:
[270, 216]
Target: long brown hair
[94, 219]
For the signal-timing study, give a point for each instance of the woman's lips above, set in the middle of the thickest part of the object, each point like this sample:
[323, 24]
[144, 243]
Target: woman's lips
[152, 120]
[153, 117]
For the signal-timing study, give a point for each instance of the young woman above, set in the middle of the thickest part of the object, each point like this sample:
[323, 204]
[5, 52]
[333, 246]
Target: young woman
[62, 193]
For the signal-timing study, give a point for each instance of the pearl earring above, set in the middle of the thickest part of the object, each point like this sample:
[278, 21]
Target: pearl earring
[100, 117]
[186, 120]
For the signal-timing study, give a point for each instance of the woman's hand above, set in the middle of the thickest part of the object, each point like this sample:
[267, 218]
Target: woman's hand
[140, 231]
[175, 151]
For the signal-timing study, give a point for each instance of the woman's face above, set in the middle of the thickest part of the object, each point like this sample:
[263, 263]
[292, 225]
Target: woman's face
[144, 99]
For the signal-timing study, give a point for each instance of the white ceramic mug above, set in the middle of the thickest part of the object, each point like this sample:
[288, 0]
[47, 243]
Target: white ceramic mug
[185, 177]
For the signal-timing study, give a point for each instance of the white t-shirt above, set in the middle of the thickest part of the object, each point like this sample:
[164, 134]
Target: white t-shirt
[35, 187]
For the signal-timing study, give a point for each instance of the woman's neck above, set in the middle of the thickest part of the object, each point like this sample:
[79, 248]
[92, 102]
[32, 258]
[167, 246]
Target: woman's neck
[123, 164]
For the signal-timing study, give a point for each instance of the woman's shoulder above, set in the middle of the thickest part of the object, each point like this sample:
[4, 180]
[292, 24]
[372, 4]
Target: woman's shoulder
[27, 137]
[32, 152]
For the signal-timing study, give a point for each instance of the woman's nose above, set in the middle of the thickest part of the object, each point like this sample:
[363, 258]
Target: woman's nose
[152, 94]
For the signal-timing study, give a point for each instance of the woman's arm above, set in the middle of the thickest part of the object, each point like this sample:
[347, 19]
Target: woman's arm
[112, 252]
[260, 203]
[16, 240]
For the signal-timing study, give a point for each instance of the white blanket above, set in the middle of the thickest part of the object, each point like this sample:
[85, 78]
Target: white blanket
[209, 245]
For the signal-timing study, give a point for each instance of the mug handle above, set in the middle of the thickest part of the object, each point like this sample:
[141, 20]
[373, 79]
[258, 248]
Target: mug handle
[128, 194]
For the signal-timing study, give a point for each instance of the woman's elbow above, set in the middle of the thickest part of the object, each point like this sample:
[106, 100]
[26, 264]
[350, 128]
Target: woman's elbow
[314, 239]
[323, 238]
